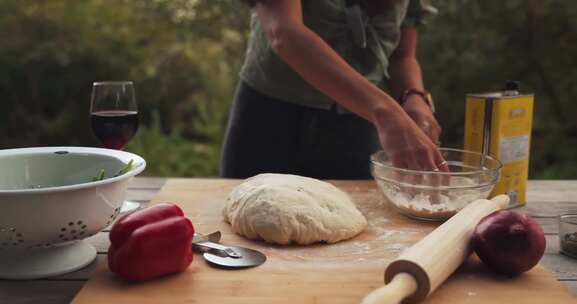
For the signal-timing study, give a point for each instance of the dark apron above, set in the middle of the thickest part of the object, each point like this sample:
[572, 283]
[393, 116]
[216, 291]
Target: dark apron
[266, 135]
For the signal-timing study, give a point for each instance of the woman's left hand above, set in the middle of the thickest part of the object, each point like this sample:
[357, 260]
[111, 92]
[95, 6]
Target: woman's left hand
[423, 116]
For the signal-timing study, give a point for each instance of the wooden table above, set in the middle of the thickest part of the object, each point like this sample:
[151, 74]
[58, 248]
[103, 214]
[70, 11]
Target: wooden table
[547, 199]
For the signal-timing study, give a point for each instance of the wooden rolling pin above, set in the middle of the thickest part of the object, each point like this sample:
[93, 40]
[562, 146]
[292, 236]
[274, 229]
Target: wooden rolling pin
[420, 269]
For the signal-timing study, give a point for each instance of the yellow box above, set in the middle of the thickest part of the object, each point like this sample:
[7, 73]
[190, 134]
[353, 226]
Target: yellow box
[499, 124]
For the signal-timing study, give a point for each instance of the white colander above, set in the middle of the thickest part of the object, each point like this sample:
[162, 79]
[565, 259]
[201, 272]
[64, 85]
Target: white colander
[49, 204]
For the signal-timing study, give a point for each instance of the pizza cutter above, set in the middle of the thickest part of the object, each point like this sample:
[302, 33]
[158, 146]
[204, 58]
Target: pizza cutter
[225, 256]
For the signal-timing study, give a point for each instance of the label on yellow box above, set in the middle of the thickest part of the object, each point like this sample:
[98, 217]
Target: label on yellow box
[499, 124]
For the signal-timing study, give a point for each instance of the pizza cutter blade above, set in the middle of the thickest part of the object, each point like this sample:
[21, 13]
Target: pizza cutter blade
[228, 256]
[243, 258]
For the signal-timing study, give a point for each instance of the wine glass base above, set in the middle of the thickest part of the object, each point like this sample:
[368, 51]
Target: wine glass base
[129, 206]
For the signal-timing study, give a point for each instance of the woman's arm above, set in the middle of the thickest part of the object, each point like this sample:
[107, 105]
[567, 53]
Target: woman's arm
[315, 61]
[406, 74]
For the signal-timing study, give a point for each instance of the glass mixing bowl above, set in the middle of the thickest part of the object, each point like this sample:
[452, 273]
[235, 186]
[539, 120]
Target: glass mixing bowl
[432, 195]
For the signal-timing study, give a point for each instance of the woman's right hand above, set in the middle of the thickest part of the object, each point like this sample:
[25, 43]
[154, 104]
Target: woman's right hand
[405, 143]
[409, 147]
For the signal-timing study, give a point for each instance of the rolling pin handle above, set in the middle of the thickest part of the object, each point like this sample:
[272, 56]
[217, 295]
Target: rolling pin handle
[501, 200]
[401, 286]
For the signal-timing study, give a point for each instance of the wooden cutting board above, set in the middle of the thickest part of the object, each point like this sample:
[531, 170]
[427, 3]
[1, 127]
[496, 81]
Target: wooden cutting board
[338, 273]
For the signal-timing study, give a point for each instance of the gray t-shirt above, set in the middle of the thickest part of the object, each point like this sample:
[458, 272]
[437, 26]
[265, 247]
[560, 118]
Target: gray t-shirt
[365, 42]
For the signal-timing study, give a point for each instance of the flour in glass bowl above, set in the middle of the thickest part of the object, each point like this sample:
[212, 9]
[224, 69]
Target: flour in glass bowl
[433, 205]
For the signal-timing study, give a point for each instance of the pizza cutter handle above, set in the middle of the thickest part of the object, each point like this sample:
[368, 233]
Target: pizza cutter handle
[216, 249]
[402, 286]
[211, 237]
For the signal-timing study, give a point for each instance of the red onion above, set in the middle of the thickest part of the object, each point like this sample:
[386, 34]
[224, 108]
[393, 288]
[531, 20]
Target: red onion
[509, 242]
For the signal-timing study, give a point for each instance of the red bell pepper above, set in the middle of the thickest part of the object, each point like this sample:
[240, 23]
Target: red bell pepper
[150, 243]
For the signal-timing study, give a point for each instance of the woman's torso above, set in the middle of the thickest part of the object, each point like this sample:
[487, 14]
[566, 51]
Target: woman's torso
[365, 38]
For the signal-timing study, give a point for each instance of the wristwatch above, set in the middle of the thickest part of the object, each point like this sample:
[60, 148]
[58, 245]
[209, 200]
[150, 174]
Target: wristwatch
[425, 96]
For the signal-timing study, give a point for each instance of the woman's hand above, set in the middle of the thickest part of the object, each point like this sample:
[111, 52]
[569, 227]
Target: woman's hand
[409, 147]
[423, 116]
[406, 144]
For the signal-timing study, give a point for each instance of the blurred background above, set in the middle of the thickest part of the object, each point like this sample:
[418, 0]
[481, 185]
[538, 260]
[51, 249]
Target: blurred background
[184, 57]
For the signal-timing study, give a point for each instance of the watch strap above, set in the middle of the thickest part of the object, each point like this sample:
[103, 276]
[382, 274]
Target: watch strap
[425, 96]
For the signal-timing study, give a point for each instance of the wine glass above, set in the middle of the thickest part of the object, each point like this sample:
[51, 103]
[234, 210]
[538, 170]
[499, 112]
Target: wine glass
[114, 118]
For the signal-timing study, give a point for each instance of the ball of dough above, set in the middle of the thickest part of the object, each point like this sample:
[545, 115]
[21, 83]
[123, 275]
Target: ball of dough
[283, 208]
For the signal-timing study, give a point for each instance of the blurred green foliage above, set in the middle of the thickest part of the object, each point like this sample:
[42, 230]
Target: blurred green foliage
[475, 46]
[184, 56]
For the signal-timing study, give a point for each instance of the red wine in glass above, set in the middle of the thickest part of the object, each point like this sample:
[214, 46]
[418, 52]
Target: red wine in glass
[114, 118]
[114, 129]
